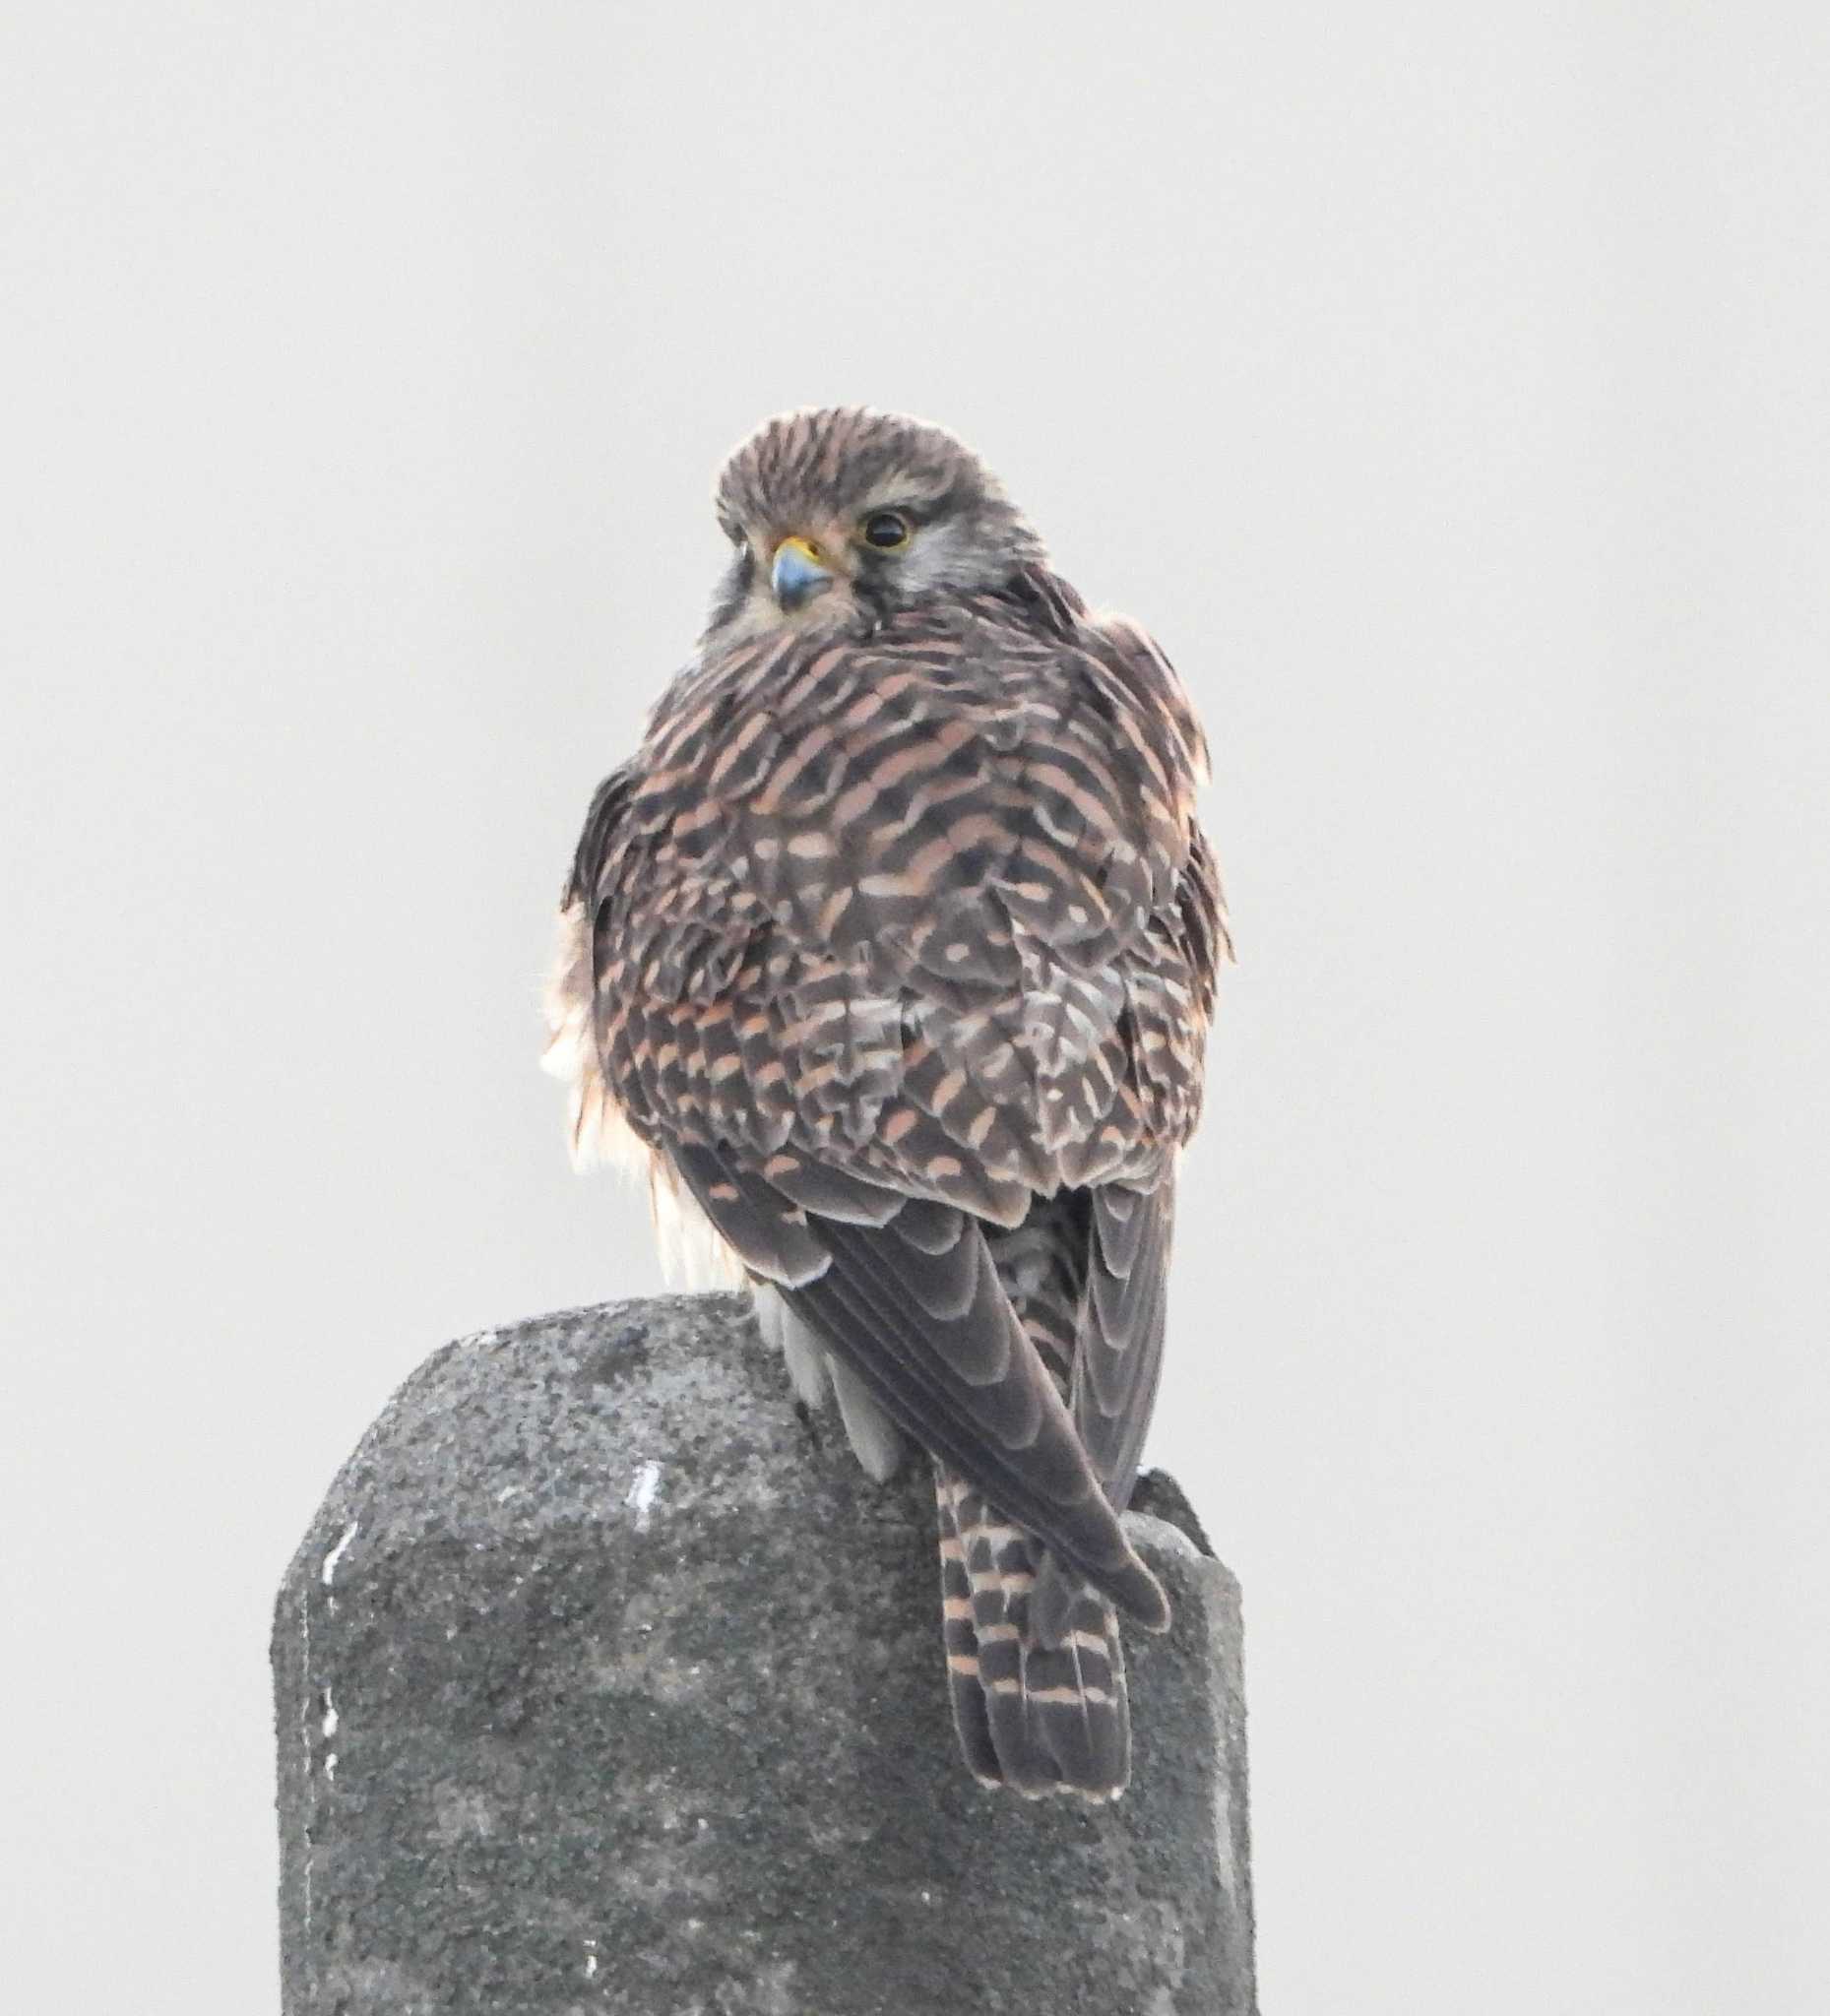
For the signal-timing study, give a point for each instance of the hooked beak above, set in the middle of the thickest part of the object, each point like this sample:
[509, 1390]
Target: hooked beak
[799, 574]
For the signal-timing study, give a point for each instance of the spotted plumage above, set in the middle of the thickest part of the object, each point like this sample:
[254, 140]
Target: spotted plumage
[890, 957]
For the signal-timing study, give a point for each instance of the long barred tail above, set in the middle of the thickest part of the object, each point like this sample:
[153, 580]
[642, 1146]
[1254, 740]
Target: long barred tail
[1041, 1717]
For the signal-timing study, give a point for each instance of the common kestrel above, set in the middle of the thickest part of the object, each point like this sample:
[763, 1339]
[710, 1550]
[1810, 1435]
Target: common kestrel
[890, 957]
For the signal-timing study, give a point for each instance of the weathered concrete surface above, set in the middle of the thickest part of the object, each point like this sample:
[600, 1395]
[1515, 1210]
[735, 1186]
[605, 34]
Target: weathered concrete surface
[608, 1683]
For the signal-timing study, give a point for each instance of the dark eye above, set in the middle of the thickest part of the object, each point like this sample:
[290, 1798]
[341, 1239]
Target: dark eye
[886, 530]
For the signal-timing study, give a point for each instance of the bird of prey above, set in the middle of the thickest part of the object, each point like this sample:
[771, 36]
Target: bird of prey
[889, 957]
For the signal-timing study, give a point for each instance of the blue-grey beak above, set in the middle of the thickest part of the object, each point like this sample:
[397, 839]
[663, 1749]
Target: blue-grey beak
[798, 576]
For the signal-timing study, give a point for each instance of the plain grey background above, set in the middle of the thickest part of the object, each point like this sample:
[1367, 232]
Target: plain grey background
[1444, 384]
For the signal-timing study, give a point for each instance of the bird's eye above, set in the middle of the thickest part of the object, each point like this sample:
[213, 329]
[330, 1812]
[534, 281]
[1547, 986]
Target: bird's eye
[886, 531]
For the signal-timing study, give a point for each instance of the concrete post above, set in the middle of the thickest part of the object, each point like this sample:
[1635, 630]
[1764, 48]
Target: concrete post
[605, 1682]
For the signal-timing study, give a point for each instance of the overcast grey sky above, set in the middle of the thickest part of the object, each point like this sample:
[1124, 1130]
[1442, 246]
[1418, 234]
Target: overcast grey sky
[1443, 385]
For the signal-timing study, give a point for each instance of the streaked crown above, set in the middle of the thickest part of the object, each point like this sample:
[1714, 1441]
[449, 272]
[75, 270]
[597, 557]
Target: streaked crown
[832, 461]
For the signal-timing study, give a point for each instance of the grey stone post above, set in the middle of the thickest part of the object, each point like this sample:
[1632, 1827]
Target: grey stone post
[606, 1683]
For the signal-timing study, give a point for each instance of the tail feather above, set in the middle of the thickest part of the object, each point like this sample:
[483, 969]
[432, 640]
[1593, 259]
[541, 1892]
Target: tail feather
[1078, 1687]
[970, 1717]
[1040, 1718]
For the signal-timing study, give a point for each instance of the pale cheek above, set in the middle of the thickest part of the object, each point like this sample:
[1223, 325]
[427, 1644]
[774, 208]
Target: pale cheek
[939, 559]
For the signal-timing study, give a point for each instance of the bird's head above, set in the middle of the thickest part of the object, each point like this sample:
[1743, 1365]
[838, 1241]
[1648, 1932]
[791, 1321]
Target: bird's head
[840, 516]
